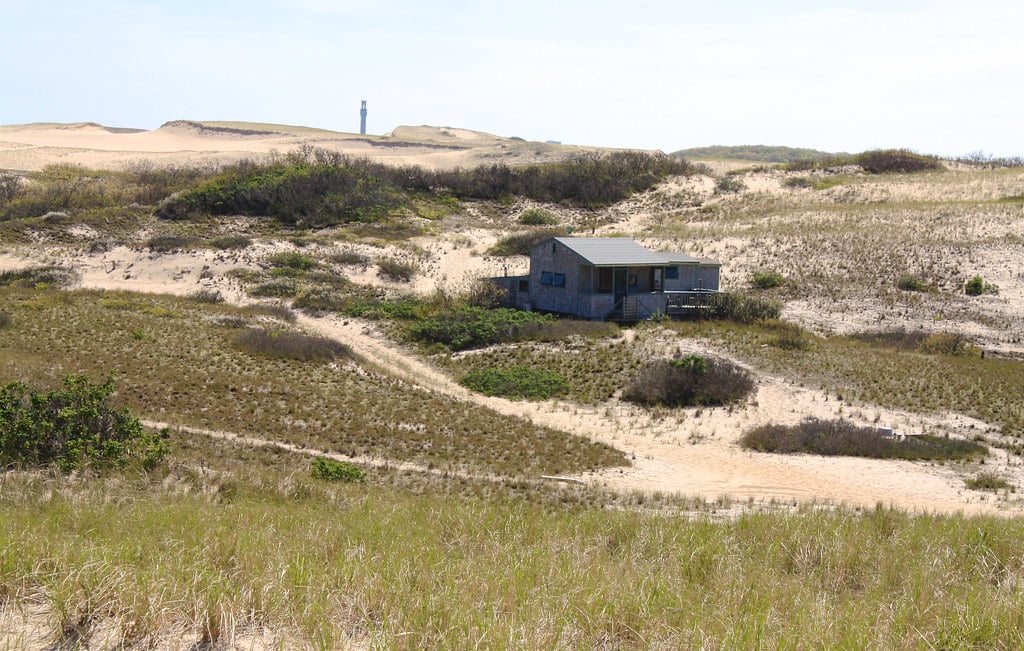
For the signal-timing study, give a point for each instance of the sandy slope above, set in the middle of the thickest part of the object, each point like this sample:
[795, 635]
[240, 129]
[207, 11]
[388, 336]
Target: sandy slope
[691, 452]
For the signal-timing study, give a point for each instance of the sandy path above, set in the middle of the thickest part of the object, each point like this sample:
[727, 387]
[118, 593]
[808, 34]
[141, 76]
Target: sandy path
[691, 452]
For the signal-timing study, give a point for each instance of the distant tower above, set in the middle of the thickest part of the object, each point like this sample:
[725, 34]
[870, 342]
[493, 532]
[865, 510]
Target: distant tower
[362, 118]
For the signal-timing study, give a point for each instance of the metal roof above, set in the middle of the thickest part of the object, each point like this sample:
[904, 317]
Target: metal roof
[678, 257]
[623, 251]
[611, 251]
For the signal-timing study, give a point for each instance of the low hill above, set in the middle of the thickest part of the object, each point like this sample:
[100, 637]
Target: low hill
[756, 153]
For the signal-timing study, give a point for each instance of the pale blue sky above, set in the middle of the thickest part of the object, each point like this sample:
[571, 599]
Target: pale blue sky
[937, 76]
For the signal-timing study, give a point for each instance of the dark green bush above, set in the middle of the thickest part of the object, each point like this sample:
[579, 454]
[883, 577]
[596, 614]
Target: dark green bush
[474, 327]
[911, 283]
[331, 470]
[71, 427]
[767, 279]
[516, 382]
[843, 438]
[537, 217]
[282, 344]
[977, 286]
[731, 306]
[884, 161]
[690, 381]
[308, 188]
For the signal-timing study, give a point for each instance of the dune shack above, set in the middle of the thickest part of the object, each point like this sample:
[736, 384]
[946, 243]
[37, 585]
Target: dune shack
[611, 279]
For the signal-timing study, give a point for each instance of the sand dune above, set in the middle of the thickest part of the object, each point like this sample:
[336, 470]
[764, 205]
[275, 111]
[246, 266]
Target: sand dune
[31, 147]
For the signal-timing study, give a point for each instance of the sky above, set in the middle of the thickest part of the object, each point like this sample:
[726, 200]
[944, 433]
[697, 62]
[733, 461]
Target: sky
[938, 77]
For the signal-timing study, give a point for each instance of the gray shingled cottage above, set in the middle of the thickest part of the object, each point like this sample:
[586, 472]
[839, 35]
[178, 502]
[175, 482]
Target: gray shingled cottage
[611, 278]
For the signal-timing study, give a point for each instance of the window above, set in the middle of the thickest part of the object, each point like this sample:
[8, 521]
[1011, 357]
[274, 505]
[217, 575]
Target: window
[524, 285]
[552, 279]
[604, 280]
[671, 273]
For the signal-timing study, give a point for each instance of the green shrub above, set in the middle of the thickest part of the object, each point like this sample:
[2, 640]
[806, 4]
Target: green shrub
[306, 188]
[331, 470]
[38, 276]
[206, 296]
[516, 382]
[843, 438]
[521, 243]
[798, 182]
[884, 161]
[281, 344]
[989, 481]
[731, 306]
[690, 381]
[911, 283]
[977, 286]
[537, 217]
[396, 270]
[949, 343]
[767, 279]
[789, 336]
[71, 427]
[168, 243]
[276, 288]
[292, 260]
[729, 184]
[474, 327]
[231, 242]
[353, 258]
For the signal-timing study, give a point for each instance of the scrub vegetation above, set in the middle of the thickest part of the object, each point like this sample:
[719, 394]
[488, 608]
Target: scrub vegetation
[311, 498]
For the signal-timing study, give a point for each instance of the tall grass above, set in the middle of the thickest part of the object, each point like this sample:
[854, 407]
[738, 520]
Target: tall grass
[325, 565]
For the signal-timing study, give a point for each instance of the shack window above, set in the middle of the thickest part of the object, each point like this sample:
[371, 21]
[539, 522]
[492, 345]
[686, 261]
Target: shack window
[524, 285]
[671, 273]
[546, 277]
[604, 280]
[558, 280]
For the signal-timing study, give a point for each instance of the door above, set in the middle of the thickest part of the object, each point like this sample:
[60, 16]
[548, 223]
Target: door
[621, 278]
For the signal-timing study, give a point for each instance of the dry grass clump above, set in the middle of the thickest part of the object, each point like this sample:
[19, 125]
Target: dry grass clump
[989, 481]
[282, 344]
[842, 438]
